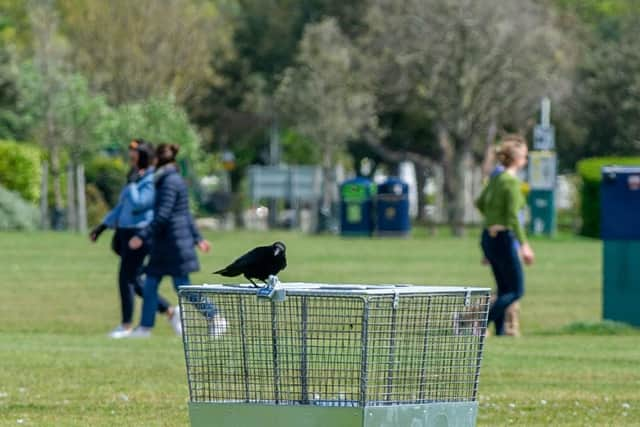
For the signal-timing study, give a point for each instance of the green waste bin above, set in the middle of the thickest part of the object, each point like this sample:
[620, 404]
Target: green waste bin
[356, 207]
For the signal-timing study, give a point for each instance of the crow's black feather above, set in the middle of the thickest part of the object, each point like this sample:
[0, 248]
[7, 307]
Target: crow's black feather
[259, 263]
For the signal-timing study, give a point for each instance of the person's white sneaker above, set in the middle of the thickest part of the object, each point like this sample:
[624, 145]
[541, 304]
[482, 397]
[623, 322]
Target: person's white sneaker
[119, 332]
[175, 321]
[217, 326]
[140, 332]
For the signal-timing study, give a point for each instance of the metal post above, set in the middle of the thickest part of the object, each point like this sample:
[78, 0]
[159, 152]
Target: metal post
[545, 112]
[364, 353]
[274, 344]
[392, 346]
[304, 380]
[425, 352]
[245, 364]
[482, 329]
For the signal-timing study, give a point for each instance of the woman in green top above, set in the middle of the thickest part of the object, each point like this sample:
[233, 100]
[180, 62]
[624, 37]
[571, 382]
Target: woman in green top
[503, 238]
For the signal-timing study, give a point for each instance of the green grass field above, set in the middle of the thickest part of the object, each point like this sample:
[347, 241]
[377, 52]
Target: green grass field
[59, 299]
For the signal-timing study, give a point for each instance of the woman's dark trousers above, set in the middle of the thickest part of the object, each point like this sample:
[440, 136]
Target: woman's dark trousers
[502, 252]
[129, 277]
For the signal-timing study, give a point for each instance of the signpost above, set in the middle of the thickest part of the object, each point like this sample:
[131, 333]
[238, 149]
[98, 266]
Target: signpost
[542, 175]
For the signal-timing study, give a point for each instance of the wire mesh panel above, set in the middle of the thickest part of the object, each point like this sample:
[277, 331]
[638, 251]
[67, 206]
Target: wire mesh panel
[334, 345]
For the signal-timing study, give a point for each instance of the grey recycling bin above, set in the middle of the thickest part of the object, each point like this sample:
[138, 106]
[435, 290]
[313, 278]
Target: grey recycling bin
[334, 355]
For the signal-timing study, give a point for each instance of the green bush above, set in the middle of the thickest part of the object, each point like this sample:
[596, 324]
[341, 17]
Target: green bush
[109, 175]
[590, 172]
[16, 213]
[20, 169]
[97, 207]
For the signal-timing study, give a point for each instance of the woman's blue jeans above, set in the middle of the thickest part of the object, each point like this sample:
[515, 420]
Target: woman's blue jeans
[502, 253]
[150, 303]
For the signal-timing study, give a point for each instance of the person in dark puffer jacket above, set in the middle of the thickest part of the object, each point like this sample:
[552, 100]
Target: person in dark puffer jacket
[133, 212]
[174, 237]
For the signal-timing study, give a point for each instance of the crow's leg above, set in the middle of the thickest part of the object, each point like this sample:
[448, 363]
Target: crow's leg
[249, 279]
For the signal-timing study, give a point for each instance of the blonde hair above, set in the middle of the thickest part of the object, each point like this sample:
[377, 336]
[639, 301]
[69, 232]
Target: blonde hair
[510, 148]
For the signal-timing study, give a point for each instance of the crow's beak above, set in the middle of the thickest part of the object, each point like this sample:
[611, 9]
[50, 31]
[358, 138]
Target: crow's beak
[276, 251]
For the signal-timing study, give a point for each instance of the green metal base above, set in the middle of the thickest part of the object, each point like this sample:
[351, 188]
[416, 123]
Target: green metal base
[248, 415]
[621, 274]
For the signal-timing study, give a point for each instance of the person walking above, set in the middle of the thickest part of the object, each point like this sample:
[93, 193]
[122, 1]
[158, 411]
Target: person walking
[503, 239]
[174, 237]
[133, 212]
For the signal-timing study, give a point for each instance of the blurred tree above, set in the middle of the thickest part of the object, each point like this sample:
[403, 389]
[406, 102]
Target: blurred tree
[158, 120]
[599, 118]
[14, 37]
[469, 66]
[608, 94]
[15, 28]
[604, 17]
[324, 98]
[133, 50]
[11, 125]
[41, 85]
[81, 118]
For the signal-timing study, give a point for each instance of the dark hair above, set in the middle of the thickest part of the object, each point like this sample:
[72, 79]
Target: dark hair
[146, 155]
[166, 153]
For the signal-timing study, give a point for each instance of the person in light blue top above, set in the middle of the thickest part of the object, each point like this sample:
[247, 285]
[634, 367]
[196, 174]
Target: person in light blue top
[133, 212]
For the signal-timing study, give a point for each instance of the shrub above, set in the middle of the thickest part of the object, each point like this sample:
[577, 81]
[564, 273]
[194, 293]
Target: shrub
[16, 213]
[590, 172]
[20, 169]
[107, 174]
[97, 207]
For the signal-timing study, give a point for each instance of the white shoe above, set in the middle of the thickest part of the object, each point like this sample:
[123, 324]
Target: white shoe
[217, 326]
[140, 332]
[175, 321]
[119, 332]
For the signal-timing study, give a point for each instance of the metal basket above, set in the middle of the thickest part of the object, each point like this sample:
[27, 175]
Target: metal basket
[313, 354]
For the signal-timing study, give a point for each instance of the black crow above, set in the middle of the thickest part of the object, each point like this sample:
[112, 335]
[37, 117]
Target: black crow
[259, 263]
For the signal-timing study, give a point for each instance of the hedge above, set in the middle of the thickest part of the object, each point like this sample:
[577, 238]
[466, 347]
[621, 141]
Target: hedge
[109, 175]
[590, 172]
[20, 169]
[17, 213]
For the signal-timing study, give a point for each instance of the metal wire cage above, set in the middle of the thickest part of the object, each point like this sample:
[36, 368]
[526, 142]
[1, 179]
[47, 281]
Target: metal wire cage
[348, 346]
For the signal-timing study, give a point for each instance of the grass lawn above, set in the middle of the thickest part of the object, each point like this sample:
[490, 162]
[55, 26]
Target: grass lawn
[59, 298]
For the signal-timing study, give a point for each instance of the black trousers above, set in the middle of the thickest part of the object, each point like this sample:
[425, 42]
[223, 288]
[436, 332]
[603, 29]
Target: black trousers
[129, 276]
[502, 252]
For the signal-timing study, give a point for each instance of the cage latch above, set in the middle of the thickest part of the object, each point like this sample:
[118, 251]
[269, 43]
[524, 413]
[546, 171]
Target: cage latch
[396, 300]
[272, 290]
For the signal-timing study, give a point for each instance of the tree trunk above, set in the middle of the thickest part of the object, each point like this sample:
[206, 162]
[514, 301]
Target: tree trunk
[451, 186]
[82, 200]
[54, 154]
[421, 180]
[72, 223]
[325, 213]
[44, 197]
[456, 161]
[488, 162]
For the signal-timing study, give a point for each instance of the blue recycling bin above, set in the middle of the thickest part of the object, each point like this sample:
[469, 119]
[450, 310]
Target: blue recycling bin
[620, 232]
[392, 208]
[356, 207]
